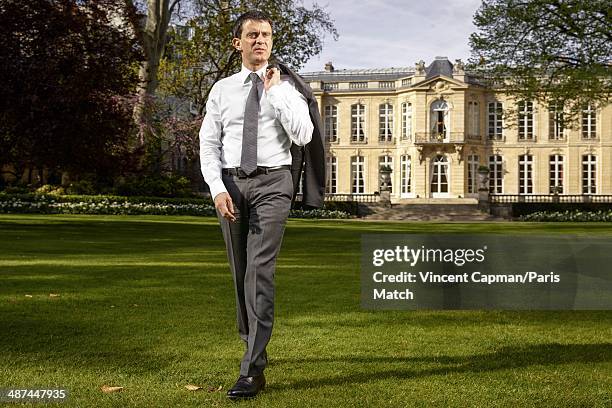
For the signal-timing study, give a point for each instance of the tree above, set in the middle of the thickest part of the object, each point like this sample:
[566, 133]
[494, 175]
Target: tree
[199, 53]
[65, 69]
[152, 37]
[553, 51]
[195, 62]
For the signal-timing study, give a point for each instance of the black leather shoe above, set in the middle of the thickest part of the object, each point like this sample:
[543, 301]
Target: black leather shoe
[247, 387]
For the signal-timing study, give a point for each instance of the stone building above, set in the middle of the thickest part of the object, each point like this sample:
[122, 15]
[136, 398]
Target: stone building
[435, 125]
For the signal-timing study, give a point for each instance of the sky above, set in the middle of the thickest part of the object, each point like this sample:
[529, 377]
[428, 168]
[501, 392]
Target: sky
[395, 33]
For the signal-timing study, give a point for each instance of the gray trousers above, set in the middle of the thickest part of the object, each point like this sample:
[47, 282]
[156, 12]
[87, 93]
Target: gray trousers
[261, 207]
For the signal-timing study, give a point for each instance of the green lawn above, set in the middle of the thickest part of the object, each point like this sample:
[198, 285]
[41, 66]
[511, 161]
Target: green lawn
[147, 303]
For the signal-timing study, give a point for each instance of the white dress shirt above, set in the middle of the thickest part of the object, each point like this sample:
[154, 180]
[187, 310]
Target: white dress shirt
[283, 118]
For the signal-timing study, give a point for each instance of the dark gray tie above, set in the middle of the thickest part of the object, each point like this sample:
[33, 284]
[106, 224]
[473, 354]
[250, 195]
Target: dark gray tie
[248, 160]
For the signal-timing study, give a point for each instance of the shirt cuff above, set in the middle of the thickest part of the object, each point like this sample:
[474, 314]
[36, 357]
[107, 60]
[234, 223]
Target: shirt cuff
[217, 187]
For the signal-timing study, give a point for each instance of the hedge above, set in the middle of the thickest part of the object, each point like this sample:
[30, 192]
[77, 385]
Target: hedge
[522, 209]
[569, 216]
[118, 205]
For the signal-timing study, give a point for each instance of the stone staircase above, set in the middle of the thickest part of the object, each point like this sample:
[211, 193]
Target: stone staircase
[432, 211]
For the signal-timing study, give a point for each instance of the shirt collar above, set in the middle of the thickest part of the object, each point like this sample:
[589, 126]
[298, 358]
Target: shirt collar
[244, 73]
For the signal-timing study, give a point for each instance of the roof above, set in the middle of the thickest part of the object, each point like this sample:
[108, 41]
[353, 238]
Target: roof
[343, 75]
[440, 66]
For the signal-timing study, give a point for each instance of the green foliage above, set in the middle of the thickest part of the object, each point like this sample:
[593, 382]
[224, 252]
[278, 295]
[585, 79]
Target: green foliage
[522, 209]
[64, 70]
[81, 187]
[117, 205]
[50, 189]
[320, 214]
[191, 66]
[569, 216]
[167, 186]
[546, 50]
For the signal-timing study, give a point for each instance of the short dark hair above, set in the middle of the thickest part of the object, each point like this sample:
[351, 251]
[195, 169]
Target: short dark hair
[255, 15]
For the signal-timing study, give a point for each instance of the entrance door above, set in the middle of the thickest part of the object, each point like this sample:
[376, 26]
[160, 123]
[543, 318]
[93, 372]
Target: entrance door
[439, 177]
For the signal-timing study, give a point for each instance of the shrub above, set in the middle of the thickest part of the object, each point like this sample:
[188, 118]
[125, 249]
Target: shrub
[170, 186]
[116, 205]
[569, 216]
[50, 189]
[81, 187]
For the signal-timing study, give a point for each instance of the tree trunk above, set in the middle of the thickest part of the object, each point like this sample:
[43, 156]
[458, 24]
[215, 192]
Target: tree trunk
[153, 39]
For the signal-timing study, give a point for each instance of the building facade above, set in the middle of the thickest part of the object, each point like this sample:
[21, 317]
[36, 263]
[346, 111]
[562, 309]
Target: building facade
[435, 126]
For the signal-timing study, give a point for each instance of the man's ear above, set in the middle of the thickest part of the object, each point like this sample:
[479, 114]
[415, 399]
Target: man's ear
[236, 44]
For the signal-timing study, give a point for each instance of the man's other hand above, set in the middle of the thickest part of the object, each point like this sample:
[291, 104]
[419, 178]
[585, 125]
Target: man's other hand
[272, 78]
[225, 206]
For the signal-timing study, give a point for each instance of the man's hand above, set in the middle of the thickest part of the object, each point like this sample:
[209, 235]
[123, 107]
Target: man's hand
[225, 205]
[272, 78]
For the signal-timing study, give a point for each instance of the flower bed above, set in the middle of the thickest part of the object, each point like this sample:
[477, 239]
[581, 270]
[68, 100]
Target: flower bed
[569, 216]
[115, 205]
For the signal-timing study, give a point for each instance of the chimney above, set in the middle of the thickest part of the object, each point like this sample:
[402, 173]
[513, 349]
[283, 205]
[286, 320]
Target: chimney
[329, 67]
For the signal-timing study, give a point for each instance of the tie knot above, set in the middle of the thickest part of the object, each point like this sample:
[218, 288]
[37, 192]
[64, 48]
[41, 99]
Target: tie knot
[254, 77]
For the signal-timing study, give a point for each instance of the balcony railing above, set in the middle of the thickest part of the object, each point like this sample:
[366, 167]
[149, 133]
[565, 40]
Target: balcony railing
[434, 137]
[360, 198]
[386, 141]
[550, 198]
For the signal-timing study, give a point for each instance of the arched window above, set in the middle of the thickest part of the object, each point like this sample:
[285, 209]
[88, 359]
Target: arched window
[440, 123]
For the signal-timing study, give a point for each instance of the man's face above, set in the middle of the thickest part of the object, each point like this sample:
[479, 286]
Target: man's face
[255, 43]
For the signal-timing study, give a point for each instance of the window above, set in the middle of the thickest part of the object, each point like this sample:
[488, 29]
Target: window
[473, 118]
[588, 123]
[495, 174]
[556, 174]
[385, 112]
[525, 120]
[589, 172]
[331, 123]
[357, 175]
[331, 185]
[440, 120]
[555, 122]
[439, 175]
[495, 124]
[357, 123]
[386, 161]
[525, 174]
[472, 172]
[405, 174]
[406, 121]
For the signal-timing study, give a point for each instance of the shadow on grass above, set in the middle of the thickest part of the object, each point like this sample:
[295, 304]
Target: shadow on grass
[505, 358]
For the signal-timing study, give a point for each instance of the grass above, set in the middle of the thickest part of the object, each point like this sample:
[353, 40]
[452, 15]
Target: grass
[147, 303]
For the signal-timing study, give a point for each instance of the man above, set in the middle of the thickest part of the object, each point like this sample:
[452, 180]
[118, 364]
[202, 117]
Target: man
[252, 119]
